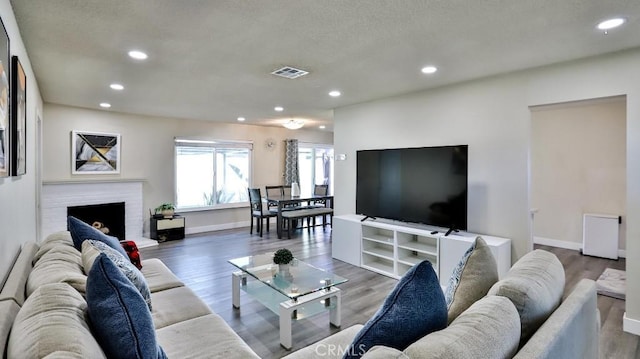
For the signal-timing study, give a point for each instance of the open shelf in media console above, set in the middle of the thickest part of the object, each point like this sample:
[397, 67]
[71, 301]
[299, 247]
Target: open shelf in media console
[420, 243]
[377, 234]
[412, 258]
[425, 248]
[379, 239]
[377, 264]
[377, 249]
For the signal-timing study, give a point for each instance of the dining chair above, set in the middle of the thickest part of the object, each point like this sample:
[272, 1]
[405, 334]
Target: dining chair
[286, 191]
[320, 190]
[255, 200]
[273, 192]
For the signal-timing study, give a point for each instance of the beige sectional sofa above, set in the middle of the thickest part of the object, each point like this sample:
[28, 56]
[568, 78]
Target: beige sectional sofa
[527, 301]
[187, 328]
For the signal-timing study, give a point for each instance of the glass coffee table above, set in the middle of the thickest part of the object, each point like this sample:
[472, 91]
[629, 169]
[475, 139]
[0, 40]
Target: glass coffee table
[296, 291]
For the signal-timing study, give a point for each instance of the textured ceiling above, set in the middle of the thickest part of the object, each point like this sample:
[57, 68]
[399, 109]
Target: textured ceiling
[211, 60]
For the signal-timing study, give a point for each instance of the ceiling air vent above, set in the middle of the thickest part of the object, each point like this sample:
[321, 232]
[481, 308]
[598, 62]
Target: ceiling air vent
[289, 72]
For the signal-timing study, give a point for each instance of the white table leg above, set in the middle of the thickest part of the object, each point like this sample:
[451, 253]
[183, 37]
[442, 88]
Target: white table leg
[285, 325]
[236, 277]
[335, 314]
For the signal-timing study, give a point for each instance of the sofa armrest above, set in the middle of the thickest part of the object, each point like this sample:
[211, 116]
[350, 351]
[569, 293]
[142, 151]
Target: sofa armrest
[14, 287]
[571, 331]
[8, 311]
[332, 347]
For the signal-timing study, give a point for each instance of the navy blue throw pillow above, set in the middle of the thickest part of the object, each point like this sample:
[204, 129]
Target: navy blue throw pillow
[81, 231]
[415, 308]
[118, 314]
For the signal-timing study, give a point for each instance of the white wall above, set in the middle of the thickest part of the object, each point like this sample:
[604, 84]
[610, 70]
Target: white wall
[578, 165]
[148, 154]
[18, 194]
[492, 116]
[498, 148]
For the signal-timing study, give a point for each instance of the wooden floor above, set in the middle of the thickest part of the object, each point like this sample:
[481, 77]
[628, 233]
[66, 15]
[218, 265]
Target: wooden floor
[200, 261]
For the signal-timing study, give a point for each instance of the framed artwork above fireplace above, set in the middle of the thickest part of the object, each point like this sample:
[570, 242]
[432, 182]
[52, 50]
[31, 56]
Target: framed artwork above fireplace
[95, 153]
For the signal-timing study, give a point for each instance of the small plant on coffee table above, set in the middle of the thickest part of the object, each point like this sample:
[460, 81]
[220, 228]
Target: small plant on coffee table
[282, 256]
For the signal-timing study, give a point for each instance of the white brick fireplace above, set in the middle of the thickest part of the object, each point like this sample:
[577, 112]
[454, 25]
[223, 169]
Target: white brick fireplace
[57, 196]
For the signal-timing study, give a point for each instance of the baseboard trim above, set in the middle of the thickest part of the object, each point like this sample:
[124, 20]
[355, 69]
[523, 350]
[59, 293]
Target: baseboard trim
[630, 325]
[216, 227]
[557, 243]
[568, 245]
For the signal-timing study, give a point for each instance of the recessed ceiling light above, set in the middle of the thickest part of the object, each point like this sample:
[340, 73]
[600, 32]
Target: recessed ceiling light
[117, 87]
[322, 127]
[335, 93]
[138, 55]
[611, 23]
[105, 105]
[279, 108]
[429, 69]
[241, 119]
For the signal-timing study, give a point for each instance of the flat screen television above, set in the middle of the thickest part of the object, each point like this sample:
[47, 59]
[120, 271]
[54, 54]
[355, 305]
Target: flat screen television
[422, 185]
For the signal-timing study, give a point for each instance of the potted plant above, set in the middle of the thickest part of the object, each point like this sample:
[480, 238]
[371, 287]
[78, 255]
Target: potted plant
[282, 257]
[166, 209]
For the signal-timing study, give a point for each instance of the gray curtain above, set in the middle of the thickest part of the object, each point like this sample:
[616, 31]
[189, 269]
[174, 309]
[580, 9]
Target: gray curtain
[291, 162]
[326, 169]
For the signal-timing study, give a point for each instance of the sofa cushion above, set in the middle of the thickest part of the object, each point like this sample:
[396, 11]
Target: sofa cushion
[61, 264]
[490, 328]
[62, 238]
[476, 272]
[52, 319]
[415, 308]
[382, 352]
[332, 347]
[176, 305]
[119, 316]
[90, 251]
[203, 337]
[535, 285]
[158, 276]
[81, 231]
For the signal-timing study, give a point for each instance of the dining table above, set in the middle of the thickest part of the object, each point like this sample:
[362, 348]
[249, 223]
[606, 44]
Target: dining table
[293, 203]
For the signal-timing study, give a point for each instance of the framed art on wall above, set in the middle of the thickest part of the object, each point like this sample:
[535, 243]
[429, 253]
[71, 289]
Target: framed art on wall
[18, 118]
[5, 123]
[95, 153]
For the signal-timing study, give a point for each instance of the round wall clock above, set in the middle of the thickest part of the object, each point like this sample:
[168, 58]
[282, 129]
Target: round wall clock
[270, 144]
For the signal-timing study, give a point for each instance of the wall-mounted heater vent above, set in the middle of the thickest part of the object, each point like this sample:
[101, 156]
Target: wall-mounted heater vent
[289, 72]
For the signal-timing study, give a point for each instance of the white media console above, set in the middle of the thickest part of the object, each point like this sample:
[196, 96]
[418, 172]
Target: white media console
[392, 248]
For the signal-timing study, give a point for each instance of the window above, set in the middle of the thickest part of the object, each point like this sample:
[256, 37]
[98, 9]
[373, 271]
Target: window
[315, 167]
[211, 173]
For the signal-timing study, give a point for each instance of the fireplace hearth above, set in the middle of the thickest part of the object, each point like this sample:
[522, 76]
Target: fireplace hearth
[106, 217]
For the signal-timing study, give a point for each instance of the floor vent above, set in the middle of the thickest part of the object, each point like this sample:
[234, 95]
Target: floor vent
[289, 72]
